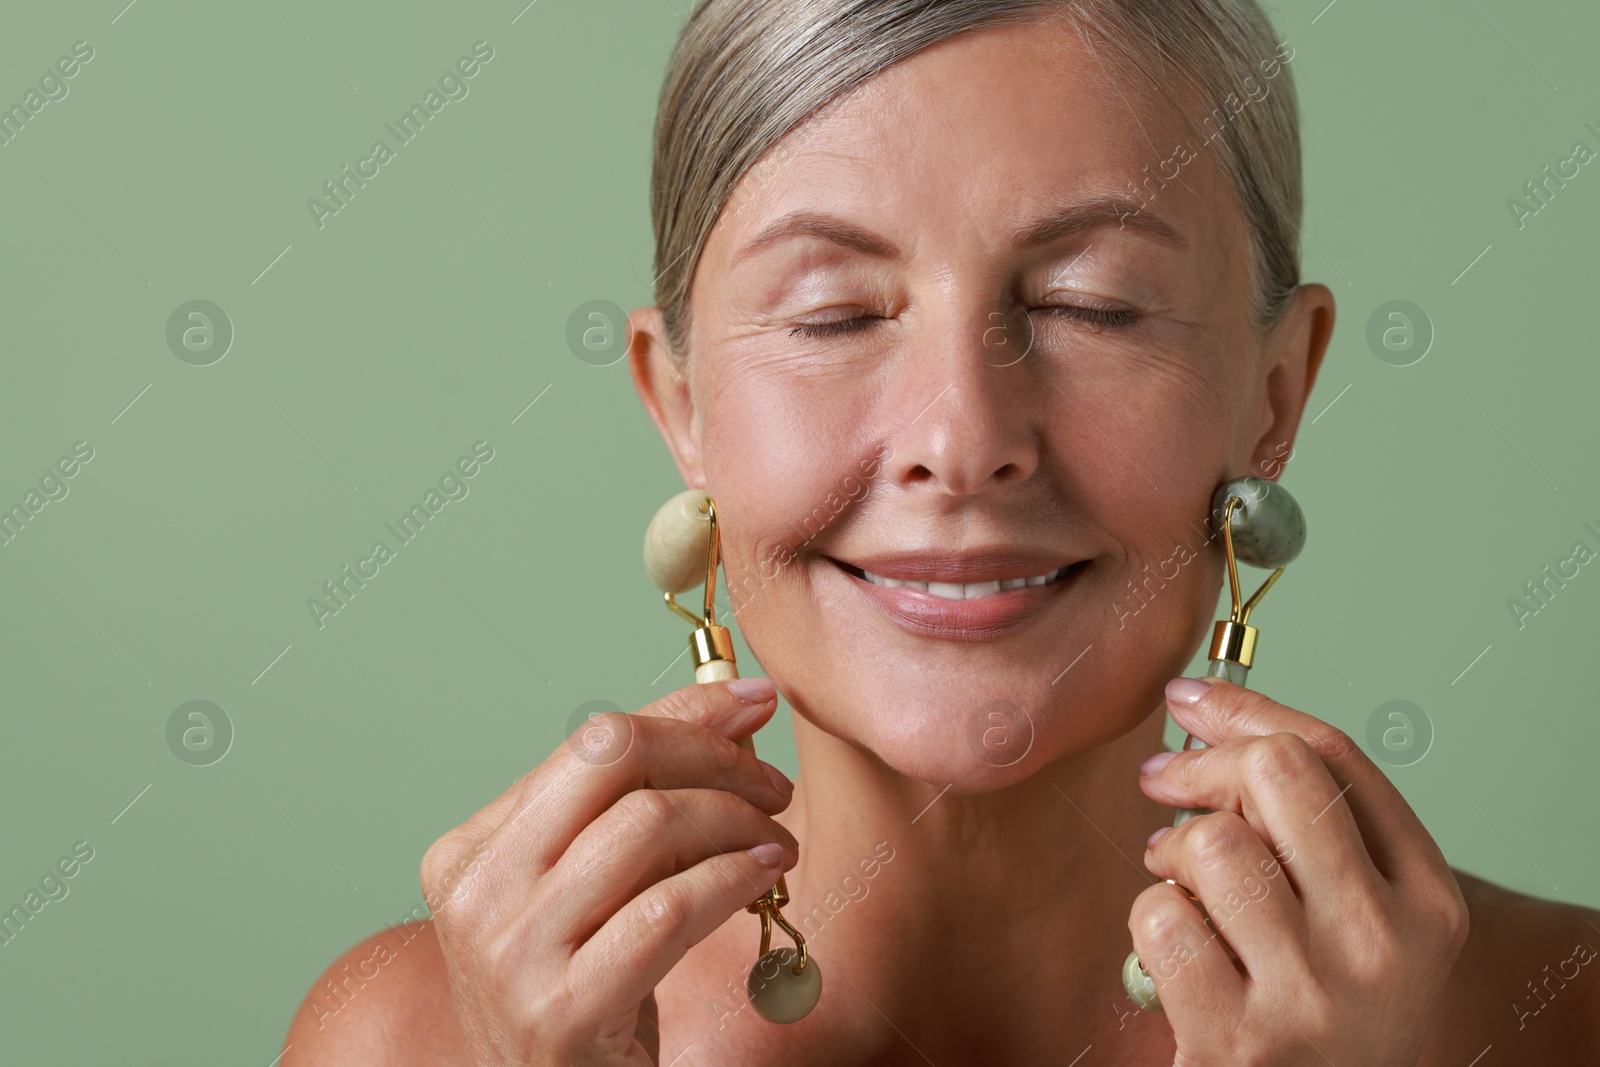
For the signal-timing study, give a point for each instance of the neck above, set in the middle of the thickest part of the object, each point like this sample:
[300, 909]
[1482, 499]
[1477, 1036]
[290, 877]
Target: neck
[1016, 899]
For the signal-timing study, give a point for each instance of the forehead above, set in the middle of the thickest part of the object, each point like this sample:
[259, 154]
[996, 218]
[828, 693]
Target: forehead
[989, 128]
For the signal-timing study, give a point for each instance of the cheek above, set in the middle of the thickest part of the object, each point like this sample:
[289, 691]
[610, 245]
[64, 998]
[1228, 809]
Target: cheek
[787, 464]
[1146, 444]
[1145, 452]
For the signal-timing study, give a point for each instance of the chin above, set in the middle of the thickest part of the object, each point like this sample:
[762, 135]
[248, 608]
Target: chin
[964, 733]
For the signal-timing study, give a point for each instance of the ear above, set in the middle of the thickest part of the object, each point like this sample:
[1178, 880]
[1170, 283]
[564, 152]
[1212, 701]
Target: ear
[665, 392]
[1290, 358]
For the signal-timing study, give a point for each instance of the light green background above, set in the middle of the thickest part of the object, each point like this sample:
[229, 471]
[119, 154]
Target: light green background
[433, 309]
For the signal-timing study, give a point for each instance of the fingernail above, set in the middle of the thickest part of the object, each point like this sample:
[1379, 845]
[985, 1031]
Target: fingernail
[1157, 836]
[753, 690]
[1185, 690]
[1155, 763]
[779, 780]
[768, 855]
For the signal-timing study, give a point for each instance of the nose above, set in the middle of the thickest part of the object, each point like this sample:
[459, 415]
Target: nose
[970, 418]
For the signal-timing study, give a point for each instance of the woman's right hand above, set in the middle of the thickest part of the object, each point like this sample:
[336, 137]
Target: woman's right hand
[591, 877]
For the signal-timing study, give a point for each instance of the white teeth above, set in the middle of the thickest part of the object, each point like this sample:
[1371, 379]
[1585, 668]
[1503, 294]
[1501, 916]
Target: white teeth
[966, 590]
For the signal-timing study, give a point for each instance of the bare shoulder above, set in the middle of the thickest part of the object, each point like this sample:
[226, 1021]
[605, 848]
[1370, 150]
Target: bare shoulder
[385, 1001]
[1526, 987]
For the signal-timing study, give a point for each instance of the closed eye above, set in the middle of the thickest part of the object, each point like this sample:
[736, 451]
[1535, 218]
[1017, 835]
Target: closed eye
[1092, 316]
[834, 328]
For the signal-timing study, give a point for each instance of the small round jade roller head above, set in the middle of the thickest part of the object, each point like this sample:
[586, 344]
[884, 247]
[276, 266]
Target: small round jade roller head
[780, 991]
[676, 543]
[1140, 986]
[681, 547]
[1267, 526]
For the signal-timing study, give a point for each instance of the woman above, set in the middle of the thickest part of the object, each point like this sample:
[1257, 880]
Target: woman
[981, 291]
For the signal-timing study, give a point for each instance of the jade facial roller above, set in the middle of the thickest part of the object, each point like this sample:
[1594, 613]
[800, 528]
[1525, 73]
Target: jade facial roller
[1264, 527]
[681, 548]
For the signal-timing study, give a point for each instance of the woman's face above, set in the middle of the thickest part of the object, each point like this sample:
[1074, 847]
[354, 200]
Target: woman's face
[929, 343]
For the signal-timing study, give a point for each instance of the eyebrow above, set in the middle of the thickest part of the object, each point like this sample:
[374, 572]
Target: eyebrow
[1095, 211]
[828, 228]
[1059, 222]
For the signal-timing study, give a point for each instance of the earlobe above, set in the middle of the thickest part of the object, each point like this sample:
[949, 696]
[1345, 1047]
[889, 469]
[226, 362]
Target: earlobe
[664, 391]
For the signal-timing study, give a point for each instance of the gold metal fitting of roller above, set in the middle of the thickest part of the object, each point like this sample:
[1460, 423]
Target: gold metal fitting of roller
[768, 907]
[778, 896]
[1234, 638]
[708, 643]
[707, 619]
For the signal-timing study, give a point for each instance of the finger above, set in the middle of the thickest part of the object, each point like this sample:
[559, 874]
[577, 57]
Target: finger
[734, 709]
[1222, 860]
[567, 795]
[1200, 987]
[630, 955]
[1281, 787]
[531, 823]
[645, 837]
[1398, 843]
[717, 705]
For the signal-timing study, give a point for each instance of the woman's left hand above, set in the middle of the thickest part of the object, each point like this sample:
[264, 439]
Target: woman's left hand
[1341, 911]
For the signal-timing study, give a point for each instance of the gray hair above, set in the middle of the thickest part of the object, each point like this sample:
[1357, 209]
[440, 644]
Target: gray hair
[744, 74]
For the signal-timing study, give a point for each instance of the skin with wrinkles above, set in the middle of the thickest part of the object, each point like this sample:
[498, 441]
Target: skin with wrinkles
[605, 922]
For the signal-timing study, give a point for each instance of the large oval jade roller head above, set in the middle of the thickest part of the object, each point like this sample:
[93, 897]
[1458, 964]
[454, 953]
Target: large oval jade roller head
[1263, 526]
[681, 550]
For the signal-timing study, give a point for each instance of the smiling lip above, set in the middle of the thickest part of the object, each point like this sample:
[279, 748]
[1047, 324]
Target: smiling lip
[978, 618]
[983, 564]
